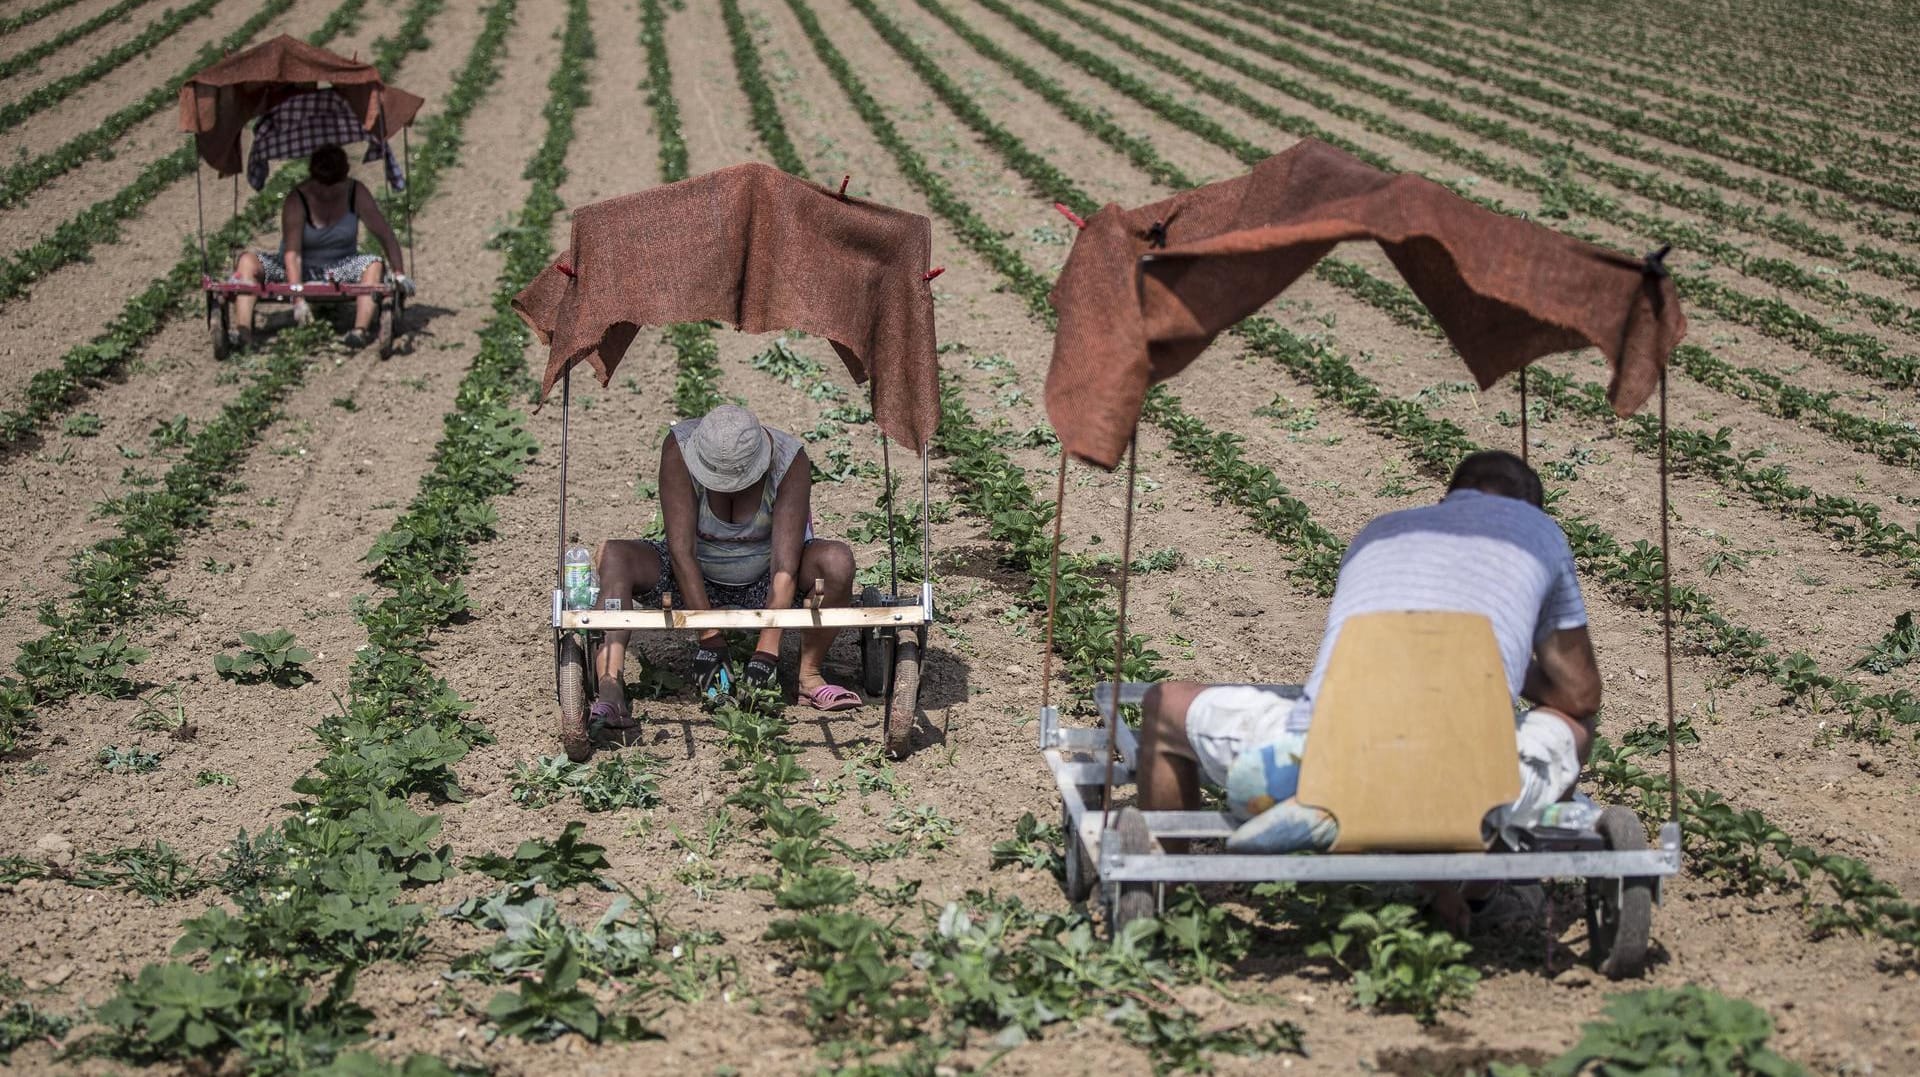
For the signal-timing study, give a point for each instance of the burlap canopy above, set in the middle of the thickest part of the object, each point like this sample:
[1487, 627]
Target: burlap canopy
[1145, 290]
[761, 250]
[216, 104]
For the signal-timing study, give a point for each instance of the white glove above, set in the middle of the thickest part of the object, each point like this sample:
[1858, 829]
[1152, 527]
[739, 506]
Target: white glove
[405, 283]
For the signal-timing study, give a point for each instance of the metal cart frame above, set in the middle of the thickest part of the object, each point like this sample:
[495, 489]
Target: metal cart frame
[893, 626]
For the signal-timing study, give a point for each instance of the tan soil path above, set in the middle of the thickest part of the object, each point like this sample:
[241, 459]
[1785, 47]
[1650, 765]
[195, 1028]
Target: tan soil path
[52, 26]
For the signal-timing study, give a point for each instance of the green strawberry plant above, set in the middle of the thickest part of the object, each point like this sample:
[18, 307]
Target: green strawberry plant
[266, 656]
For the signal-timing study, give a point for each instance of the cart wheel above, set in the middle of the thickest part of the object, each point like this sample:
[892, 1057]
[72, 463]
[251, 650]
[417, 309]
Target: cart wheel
[570, 682]
[903, 699]
[1135, 901]
[1078, 883]
[391, 309]
[217, 328]
[1620, 918]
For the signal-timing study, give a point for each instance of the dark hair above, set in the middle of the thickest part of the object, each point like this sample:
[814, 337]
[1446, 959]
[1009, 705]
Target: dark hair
[1502, 473]
[328, 165]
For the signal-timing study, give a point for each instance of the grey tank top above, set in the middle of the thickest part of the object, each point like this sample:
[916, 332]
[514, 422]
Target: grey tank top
[738, 554]
[337, 242]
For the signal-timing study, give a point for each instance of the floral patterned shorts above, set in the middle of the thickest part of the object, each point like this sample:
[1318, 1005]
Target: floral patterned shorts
[345, 271]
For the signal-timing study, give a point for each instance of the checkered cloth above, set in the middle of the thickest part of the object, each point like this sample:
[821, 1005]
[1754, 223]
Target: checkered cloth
[304, 123]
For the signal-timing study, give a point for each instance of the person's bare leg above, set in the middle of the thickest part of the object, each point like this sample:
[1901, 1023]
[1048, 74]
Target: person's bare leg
[627, 568]
[1169, 776]
[832, 562]
[248, 269]
[376, 271]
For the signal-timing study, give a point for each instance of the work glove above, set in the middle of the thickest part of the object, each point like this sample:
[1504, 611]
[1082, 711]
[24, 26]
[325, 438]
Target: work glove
[710, 677]
[404, 283]
[762, 669]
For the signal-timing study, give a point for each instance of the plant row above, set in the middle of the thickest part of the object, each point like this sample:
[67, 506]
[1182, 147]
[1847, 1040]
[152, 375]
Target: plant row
[325, 893]
[14, 112]
[87, 647]
[993, 488]
[1573, 59]
[1561, 193]
[1891, 441]
[29, 58]
[1437, 445]
[32, 15]
[74, 239]
[765, 113]
[1861, 525]
[1620, 119]
[696, 353]
[52, 391]
[18, 181]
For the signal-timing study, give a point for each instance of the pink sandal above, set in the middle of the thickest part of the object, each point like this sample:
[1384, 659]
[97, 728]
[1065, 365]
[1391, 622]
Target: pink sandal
[831, 697]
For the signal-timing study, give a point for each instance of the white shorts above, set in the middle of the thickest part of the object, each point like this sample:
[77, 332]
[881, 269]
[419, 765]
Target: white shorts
[1228, 719]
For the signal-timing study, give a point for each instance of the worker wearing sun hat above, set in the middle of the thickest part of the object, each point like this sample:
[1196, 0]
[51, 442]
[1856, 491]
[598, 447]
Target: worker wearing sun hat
[736, 504]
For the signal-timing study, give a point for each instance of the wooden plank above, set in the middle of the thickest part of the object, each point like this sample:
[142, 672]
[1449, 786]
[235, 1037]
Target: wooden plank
[1413, 738]
[659, 620]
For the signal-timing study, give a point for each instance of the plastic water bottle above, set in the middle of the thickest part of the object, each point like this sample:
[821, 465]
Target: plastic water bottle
[577, 579]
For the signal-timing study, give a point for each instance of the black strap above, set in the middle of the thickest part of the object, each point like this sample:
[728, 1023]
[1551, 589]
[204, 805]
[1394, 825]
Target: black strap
[304, 208]
[351, 192]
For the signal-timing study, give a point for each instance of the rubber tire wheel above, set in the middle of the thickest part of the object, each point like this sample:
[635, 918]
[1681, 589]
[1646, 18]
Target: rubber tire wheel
[1079, 878]
[903, 699]
[1135, 900]
[570, 684]
[1618, 931]
[389, 315]
[217, 328]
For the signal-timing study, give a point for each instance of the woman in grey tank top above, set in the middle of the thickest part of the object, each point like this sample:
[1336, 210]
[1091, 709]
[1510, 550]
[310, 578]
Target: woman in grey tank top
[320, 241]
[736, 498]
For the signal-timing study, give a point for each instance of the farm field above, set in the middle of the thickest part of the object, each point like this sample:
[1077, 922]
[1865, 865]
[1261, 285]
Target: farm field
[358, 849]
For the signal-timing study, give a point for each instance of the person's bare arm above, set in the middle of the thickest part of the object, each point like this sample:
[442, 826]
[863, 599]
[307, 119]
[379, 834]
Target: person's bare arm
[1565, 677]
[681, 517]
[792, 508]
[376, 223]
[293, 219]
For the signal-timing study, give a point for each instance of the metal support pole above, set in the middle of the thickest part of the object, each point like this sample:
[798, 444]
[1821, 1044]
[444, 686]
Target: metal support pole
[406, 200]
[1120, 630]
[566, 415]
[926, 518]
[1523, 415]
[200, 210]
[1666, 612]
[1053, 582]
[893, 545]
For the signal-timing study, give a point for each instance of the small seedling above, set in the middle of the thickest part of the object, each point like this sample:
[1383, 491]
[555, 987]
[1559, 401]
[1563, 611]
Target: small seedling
[156, 871]
[266, 656]
[564, 862]
[215, 777]
[161, 712]
[128, 760]
[82, 425]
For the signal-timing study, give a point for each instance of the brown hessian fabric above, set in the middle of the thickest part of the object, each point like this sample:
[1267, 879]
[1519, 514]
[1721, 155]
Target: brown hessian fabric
[1145, 290]
[217, 103]
[760, 250]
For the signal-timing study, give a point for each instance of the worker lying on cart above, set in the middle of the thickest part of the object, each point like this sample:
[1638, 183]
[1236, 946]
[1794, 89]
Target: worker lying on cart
[320, 241]
[736, 498]
[1488, 548]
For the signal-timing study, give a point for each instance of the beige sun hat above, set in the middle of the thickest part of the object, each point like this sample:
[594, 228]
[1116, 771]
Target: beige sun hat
[728, 451]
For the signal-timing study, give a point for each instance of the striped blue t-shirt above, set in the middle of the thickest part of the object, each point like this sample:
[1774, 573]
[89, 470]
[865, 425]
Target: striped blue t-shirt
[1473, 552]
